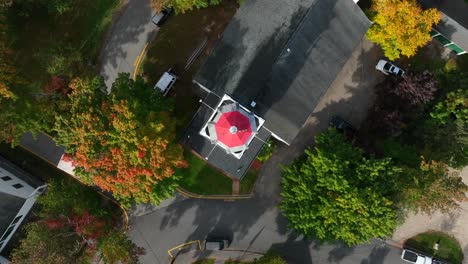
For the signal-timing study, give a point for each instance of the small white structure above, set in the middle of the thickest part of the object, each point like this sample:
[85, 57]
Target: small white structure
[18, 193]
[232, 127]
[166, 82]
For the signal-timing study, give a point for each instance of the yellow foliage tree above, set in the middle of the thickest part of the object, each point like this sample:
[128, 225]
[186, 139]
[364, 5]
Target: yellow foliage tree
[401, 26]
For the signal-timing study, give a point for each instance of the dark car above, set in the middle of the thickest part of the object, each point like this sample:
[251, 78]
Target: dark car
[342, 126]
[160, 18]
[216, 244]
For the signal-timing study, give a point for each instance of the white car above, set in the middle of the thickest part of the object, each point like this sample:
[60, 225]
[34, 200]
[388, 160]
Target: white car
[388, 68]
[413, 257]
[166, 82]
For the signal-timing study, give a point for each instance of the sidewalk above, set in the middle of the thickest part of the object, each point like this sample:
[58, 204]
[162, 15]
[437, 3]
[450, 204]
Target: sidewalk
[455, 224]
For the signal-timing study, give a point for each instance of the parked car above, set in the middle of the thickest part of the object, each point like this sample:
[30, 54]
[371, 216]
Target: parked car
[413, 257]
[216, 244]
[342, 126]
[166, 82]
[159, 18]
[388, 68]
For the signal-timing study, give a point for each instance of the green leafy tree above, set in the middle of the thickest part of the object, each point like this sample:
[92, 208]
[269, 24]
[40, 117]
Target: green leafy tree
[401, 27]
[445, 142]
[336, 193]
[64, 194]
[432, 188]
[270, 258]
[455, 106]
[115, 247]
[74, 226]
[123, 142]
[182, 6]
[44, 246]
[267, 151]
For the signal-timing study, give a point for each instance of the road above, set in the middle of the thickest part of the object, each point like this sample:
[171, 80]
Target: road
[257, 224]
[129, 35]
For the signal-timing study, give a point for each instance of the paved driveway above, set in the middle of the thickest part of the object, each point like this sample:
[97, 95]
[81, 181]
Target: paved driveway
[455, 223]
[128, 37]
[256, 224]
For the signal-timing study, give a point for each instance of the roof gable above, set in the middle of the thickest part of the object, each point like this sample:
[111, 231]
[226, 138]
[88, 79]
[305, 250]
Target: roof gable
[284, 59]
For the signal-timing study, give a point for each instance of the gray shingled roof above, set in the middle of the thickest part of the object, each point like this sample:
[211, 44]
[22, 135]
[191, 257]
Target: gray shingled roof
[43, 146]
[454, 23]
[217, 156]
[252, 61]
[10, 204]
[9, 207]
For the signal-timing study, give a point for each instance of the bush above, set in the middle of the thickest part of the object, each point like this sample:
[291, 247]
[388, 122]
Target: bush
[267, 151]
[449, 248]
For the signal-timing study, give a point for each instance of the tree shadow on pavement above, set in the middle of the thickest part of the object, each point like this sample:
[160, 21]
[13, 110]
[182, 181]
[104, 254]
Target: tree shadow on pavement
[128, 35]
[257, 224]
[377, 255]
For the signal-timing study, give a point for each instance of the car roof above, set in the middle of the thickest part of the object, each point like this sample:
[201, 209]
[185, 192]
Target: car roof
[210, 245]
[164, 81]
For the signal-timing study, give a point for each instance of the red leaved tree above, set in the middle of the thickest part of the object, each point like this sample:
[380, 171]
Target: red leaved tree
[123, 142]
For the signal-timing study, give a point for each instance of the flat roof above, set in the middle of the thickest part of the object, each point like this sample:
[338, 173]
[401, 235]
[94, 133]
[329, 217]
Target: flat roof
[283, 55]
[43, 146]
[217, 156]
[454, 23]
[9, 207]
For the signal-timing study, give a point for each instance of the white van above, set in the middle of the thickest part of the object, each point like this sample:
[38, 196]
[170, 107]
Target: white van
[166, 82]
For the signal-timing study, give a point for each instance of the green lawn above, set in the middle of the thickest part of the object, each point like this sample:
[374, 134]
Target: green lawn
[77, 35]
[201, 178]
[248, 182]
[175, 43]
[449, 249]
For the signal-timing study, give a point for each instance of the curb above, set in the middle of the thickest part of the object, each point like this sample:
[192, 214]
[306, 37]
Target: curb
[188, 194]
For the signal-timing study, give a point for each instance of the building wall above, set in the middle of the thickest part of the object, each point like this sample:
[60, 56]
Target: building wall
[22, 213]
[15, 186]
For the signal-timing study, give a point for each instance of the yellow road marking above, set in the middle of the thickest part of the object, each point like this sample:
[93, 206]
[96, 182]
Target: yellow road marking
[138, 61]
[183, 245]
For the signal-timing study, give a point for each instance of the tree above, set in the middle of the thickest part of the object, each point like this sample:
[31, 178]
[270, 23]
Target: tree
[117, 248]
[455, 106]
[447, 142]
[75, 225]
[335, 193]
[125, 142]
[431, 187]
[270, 258]
[401, 27]
[182, 6]
[43, 245]
[416, 88]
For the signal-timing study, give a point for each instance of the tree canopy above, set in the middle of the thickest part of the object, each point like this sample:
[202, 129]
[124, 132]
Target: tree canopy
[74, 225]
[336, 193]
[431, 187]
[123, 142]
[401, 27]
[182, 6]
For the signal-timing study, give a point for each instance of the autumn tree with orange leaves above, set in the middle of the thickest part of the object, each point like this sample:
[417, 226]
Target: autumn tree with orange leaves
[123, 142]
[401, 27]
